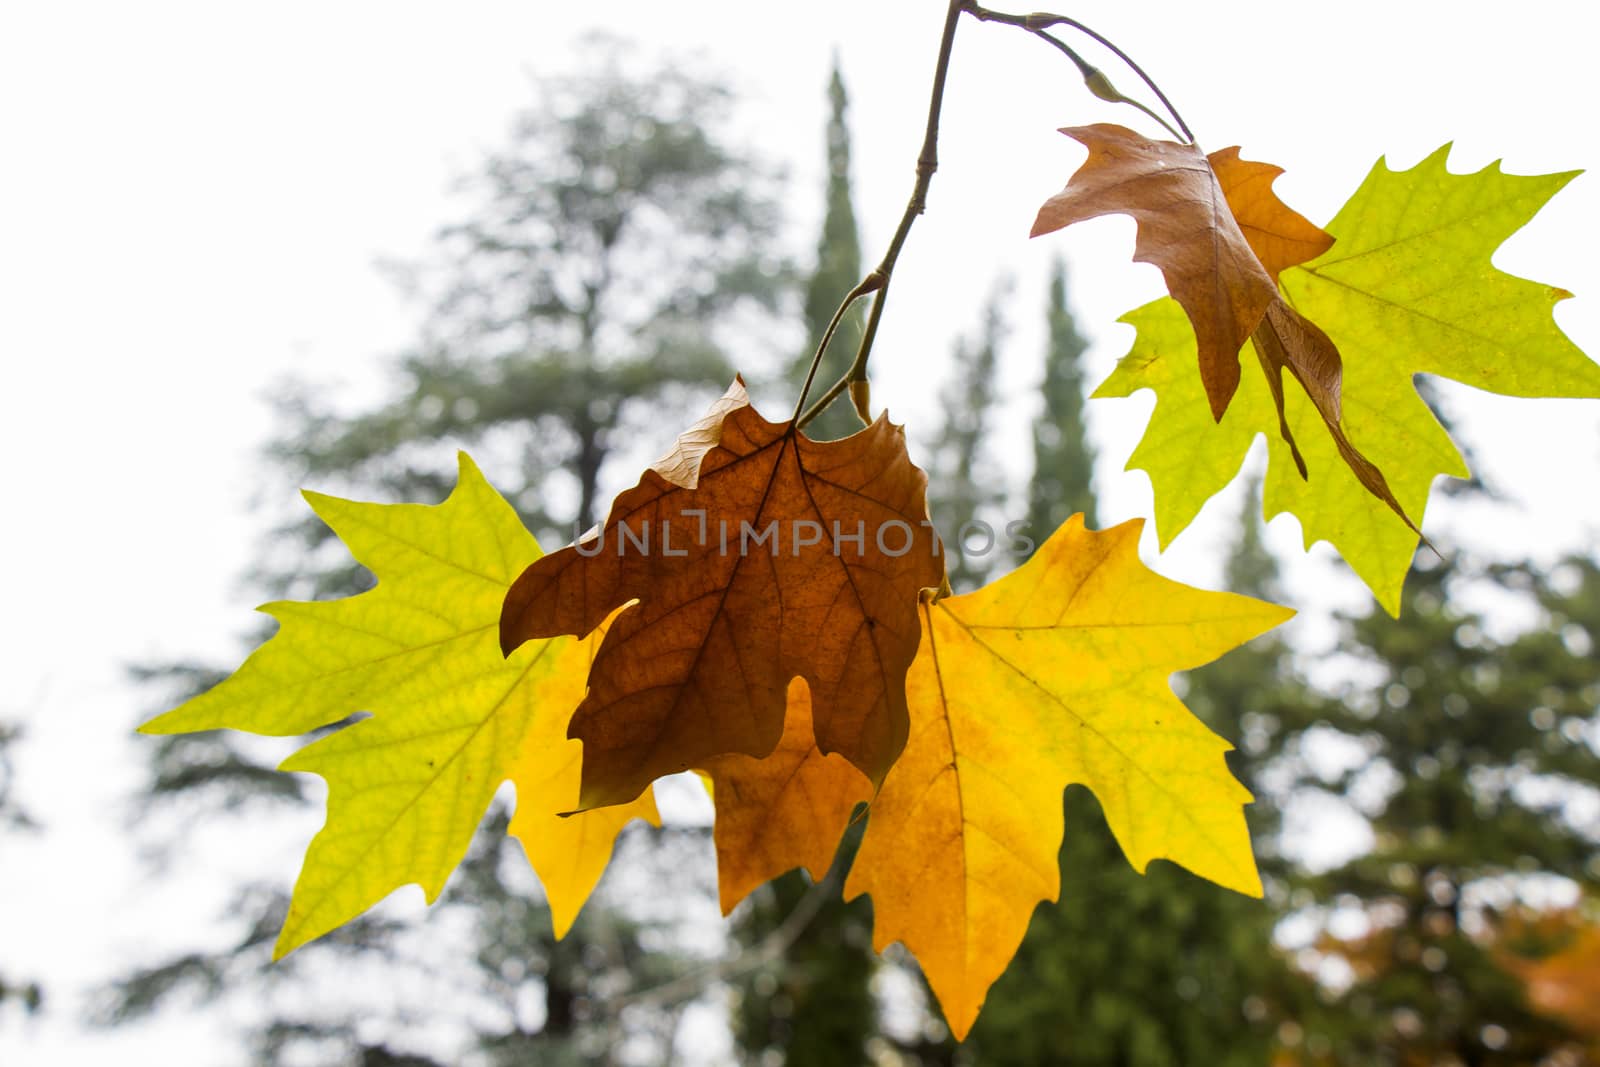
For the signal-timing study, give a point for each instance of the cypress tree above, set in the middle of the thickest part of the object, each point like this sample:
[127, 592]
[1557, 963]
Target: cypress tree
[1063, 462]
[837, 271]
[964, 484]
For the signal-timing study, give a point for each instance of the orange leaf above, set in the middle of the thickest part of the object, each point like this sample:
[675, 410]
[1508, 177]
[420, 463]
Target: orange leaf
[1280, 236]
[785, 811]
[1185, 229]
[755, 555]
[1284, 339]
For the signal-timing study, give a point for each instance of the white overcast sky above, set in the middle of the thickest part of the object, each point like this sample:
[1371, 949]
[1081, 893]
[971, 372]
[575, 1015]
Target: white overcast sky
[192, 198]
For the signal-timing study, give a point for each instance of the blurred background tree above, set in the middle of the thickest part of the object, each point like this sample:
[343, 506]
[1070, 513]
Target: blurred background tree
[571, 313]
[965, 485]
[837, 271]
[1478, 776]
[1063, 459]
[13, 817]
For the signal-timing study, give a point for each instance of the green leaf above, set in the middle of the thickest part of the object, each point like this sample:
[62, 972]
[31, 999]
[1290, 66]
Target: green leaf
[1407, 288]
[451, 718]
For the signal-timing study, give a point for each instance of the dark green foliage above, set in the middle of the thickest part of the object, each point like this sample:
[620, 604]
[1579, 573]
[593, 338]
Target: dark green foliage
[812, 1004]
[1476, 747]
[1063, 464]
[964, 485]
[837, 271]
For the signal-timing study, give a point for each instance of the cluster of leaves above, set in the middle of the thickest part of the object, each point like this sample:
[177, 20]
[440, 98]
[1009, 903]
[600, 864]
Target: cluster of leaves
[773, 611]
[1076, 644]
[1400, 283]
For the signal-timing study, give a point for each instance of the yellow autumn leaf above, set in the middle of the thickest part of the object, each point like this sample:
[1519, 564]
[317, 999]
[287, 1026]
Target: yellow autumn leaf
[1057, 674]
[451, 719]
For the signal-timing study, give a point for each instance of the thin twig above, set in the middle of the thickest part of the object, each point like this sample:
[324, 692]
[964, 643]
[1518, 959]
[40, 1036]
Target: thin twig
[1039, 22]
[1101, 86]
[870, 283]
[927, 163]
[775, 944]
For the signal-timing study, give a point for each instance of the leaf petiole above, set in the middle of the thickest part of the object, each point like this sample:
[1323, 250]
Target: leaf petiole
[1039, 22]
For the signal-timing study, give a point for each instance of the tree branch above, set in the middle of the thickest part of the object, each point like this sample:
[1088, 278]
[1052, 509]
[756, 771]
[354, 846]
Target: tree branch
[877, 282]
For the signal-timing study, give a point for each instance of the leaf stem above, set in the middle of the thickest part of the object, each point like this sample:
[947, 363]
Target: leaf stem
[871, 283]
[877, 281]
[1038, 22]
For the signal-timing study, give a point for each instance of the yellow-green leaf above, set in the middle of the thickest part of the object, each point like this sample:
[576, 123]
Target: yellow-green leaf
[1407, 288]
[1056, 674]
[451, 719]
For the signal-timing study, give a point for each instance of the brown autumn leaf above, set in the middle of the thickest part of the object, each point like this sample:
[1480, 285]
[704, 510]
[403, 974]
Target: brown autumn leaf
[1185, 228]
[785, 811]
[755, 555]
[1285, 340]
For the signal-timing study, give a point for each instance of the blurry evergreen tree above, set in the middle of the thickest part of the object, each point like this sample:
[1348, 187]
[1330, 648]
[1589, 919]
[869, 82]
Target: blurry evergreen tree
[812, 1004]
[568, 316]
[1063, 461]
[1480, 756]
[1160, 969]
[837, 271]
[13, 817]
[964, 484]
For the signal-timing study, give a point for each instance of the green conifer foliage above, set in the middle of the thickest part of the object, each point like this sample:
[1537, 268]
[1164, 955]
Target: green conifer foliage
[1480, 750]
[838, 269]
[965, 485]
[1063, 464]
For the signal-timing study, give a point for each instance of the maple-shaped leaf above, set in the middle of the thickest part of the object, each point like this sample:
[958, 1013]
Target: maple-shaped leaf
[1407, 288]
[1053, 675]
[451, 718]
[785, 810]
[1185, 229]
[1285, 340]
[754, 555]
